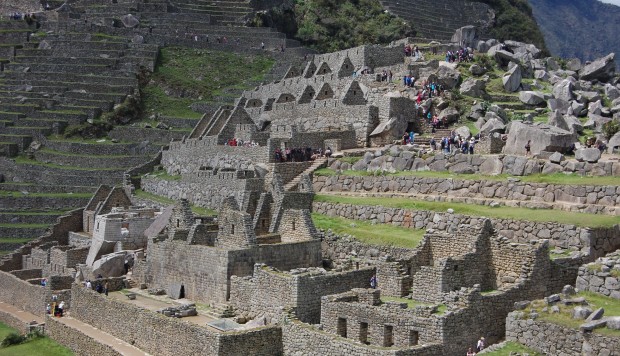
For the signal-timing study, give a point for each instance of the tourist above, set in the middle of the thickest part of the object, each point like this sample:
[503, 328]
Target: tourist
[88, 284]
[262, 45]
[405, 138]
[61, 308]
[472, 142]
[328, 152]
[390, 75]
[433, 144]
[471, 352]
[105, 289]
[528, 147]
[373, 281]
[481, 344]
[43, 282]
[48, 309]
[411, 137]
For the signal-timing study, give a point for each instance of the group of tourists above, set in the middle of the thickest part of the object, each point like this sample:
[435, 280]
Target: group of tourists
[300, 154]
[237, 142]
[412, 52]
[386, 76]
[462, 55]
[455, 144]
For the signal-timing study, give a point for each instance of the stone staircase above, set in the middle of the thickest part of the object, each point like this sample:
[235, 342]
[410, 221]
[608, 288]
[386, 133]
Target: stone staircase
[221, 311]
[318, 163]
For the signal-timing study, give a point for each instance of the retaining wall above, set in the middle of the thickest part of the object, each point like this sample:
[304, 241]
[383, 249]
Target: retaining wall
[80, 343]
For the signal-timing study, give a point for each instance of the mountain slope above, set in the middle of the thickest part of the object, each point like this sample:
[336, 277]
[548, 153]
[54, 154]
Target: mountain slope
[586, 29]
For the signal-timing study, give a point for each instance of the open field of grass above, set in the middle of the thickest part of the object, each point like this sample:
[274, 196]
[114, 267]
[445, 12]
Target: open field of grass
[38, 347]
[374, 234]
[558, 178]
[501, 212]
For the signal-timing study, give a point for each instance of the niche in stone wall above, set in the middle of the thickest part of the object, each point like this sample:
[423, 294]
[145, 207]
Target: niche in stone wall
[323, 69]
[254, 103]
[285, 98]
[388, 335]
[346, 68]
[292, 72]
[325, 92]
[307, 95]
[341, 327]
[309, 70]
[354, 94]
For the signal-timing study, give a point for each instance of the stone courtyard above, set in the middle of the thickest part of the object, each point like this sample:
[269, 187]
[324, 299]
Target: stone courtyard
[208, 241]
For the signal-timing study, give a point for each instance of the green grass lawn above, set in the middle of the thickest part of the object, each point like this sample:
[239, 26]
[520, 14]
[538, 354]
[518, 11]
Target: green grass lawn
[201, 75]
[564, 318]
[377, 234]
[512, 346]
[557, 178]
[501, 212]
[38, 347]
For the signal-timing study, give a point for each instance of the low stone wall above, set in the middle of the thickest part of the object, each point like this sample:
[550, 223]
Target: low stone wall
[201, 194]
[588, 198]
[552, 339]
[299, 336]
[23, 295]
[10, 320]
[161, 335]
[602, 276]
[27, 273]
[80, 343]
[591, 241]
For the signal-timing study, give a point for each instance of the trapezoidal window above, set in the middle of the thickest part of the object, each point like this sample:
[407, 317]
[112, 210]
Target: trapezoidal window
[364, 333]
[388, 335]
[414, 337]
[341, 327]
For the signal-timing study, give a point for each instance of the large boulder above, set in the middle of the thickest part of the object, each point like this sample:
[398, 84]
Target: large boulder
[450, 114]
[473, 87]
[130, 21]
[112, 265]
[563, 90]
[612, 92]
[512, 79]
[601, 69]
[463, 131]
[492, 166]
[574, 64]
[477, 70]
[464, 36]
[531, 97]
[595, 108]
[559, 105]
[448, 77]
[542, 137]
[614, 142]
[503, 57]
[590, 155]
[520, 49]
[565, 122]
[492, 125]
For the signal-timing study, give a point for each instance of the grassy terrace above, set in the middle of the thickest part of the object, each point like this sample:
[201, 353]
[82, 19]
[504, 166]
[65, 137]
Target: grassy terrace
[25, 226]
[68, 154]
[163, 200]
[501, 212]
[25, 160]
[366, 232]
[511, 347]
[564, 317]
[14, 240]
[557, 178]
[13, 194]
[441, 308]
[184, 76]
[38, 346]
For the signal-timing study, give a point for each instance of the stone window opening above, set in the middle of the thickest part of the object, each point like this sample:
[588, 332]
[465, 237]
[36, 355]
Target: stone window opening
[232, 229]
[264, 222]
[326, 92]
[354, 92]
[341, 328]
[456, 268]
[364, 333]
[388, 335]
[178, 222]
[293, 225]
[414, 337]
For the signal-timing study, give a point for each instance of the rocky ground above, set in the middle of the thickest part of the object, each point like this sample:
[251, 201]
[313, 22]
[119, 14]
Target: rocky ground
[23, 6]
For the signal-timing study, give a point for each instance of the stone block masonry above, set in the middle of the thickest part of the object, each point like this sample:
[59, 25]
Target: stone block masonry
[588, 198]
[601, 276]
[160, 335]
[29, 297]
[553, 339]
[593, 242]
[80, 343]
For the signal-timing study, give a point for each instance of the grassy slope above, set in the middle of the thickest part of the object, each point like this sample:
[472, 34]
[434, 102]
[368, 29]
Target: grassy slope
[501, 212]
[511, 347]
[184, 76]
[374, 234]
[39, 347]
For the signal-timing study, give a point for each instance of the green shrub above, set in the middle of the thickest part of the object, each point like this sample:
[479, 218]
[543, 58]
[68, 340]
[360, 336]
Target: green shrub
[13, 339]
[611, 128]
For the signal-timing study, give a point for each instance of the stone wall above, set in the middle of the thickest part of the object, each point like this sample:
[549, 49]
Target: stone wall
[14, 322]
[601, 276]
[80, 343]
[591, 241]
[160, 335]
[26, 274]
[271, 292]
[586, 198]
[553, 339]
[205, 271]
[315, 342]
[23, 295]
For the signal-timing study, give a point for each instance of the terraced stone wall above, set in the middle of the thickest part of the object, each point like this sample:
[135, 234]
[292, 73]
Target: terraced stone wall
[593, 242]
[24, 295]
[582, 198]
[601, 276]
[549, 338]
[78, 342]
[160, 335]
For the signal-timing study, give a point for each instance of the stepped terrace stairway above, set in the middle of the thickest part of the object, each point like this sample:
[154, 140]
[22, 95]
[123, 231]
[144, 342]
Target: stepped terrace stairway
[438, 19]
